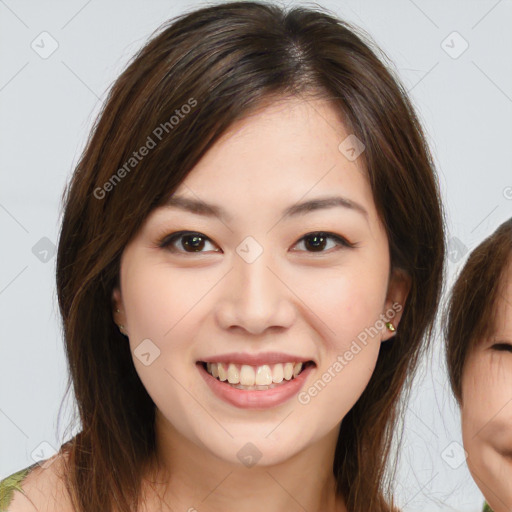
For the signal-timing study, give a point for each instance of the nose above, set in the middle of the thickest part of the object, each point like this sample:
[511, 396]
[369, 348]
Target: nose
[255, 298]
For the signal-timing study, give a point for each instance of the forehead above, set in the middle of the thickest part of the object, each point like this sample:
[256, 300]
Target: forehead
[287, 151]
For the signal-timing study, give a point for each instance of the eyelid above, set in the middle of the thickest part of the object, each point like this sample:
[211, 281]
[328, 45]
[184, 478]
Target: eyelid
[502, 346]
[165, 241]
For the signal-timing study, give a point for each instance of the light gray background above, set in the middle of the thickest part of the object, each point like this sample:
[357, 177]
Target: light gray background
[47, 108]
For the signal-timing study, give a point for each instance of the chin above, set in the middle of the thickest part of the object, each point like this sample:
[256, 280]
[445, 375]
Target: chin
[250, 447]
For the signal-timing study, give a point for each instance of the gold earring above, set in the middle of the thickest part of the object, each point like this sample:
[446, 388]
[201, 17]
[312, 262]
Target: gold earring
[121, 326]
[390, 326]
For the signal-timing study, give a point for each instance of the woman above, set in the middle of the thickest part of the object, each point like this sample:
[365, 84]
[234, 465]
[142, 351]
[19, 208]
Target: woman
[479, 346]
[249, 266]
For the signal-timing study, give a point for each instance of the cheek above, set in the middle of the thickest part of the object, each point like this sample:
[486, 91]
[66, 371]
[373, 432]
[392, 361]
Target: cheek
[149, 302]
[486, 413]
[350, 304]
[160, 307]
[350, 307]
[477, 405]
[160, 301]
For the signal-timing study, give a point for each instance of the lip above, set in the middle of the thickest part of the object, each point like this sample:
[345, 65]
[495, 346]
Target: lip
[255, 399]
[257, 359]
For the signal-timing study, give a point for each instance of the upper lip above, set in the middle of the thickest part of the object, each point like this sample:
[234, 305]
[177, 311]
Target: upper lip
[256, 359]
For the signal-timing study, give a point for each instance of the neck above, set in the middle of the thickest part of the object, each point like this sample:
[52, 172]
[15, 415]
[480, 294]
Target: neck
[188, 477]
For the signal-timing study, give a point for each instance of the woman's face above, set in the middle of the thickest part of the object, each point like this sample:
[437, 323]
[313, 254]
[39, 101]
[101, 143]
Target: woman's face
[487, 408]
[255, 295]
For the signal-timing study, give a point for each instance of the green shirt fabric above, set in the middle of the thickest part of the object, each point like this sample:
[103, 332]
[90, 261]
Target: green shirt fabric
[11, 484]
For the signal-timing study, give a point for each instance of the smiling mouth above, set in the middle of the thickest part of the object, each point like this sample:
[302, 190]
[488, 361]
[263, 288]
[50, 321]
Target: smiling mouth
[260, 378]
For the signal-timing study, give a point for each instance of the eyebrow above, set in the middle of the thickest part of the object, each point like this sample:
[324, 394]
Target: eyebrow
[211, 210]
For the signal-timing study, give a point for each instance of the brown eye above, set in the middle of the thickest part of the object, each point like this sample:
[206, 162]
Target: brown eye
[193, 242]
[190, 242]
[317, 241]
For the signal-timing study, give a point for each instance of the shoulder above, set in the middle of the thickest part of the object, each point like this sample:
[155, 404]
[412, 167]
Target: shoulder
[11, 487]
[39, 487]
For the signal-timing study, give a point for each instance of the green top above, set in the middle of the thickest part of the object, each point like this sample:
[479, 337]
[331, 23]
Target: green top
[12, 483]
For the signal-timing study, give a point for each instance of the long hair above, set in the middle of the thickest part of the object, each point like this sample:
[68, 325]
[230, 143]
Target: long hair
[201, 72]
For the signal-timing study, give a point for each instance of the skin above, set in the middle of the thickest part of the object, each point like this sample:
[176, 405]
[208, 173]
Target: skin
[43, 489]
[487, 407]
[291, 299]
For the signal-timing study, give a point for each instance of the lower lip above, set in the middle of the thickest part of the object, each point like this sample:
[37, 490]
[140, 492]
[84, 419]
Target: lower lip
[255, 399]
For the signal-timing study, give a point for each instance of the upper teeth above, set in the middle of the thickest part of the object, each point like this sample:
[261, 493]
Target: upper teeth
[254, 375]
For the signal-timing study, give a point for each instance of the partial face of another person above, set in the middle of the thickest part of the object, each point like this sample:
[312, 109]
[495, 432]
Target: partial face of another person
[487, 407]
[260, 288]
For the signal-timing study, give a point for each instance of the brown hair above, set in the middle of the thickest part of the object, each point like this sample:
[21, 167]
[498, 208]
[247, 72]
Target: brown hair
[225, 62]
[470, 315]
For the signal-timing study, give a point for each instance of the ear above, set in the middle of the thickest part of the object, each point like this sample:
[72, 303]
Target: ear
[118, 309]
[398, 290]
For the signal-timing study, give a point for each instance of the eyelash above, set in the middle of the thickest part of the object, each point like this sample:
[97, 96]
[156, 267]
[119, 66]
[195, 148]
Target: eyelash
[166, 241]
[502, 347]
